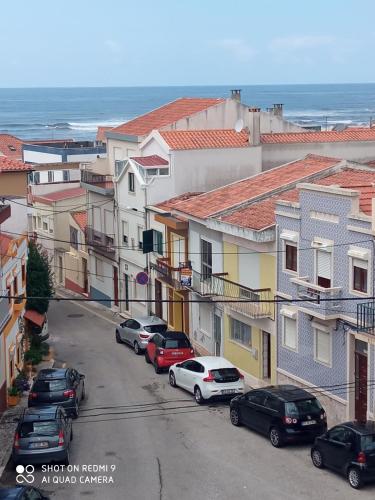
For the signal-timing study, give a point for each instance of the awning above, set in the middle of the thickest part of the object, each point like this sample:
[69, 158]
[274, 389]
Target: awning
[35, 317]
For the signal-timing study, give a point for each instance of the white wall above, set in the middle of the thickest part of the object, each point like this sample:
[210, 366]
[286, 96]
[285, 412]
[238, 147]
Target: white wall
[198, 231]
[18, 221]
[40, 157]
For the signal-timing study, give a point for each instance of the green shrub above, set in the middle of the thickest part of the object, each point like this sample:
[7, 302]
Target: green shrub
[13, 391]
[33, 355]
[44, 349]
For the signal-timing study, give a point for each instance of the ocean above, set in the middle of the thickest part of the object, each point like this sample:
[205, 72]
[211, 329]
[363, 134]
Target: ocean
[51, 113]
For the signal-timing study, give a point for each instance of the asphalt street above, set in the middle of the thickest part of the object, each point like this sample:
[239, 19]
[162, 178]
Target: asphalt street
[155, 442]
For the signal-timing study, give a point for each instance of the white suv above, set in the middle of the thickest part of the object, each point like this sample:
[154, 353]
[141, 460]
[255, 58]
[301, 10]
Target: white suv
[207, 377]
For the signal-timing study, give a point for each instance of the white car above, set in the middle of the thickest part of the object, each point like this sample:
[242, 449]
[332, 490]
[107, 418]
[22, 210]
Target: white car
[207, 377]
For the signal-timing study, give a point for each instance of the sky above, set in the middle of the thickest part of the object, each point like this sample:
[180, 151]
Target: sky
[185, 42]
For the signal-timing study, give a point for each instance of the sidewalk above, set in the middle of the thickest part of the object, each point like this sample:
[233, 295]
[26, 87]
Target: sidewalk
[8, 424]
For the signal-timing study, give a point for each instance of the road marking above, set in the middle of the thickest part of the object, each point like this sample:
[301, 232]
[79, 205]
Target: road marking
[88, 309]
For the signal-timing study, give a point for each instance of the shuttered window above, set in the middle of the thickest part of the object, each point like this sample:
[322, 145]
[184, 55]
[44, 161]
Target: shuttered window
[290, 333]
[360, 275]
[323, 346]
[324, 268]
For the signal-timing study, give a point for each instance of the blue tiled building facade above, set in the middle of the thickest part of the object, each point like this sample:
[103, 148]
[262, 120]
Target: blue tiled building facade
[326, 254]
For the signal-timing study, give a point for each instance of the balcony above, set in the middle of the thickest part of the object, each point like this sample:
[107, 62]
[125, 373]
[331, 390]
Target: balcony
[324, 301]
[5, 311]
[101, 184]
[101, 243]
[251, 302]
[4, 213]
[169, 274]
[366, 318]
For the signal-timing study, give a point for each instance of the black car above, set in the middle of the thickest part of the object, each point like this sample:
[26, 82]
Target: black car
[285, 413]
[43, 435]
[62, 386]
[22, 493]
[349, 449]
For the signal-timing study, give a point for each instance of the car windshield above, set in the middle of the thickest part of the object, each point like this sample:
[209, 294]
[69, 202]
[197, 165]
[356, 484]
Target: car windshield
[176, 344]
[297, 408]
[368, 443]
[222, 374]
[49, 385]
[155, 328]
[41, 428]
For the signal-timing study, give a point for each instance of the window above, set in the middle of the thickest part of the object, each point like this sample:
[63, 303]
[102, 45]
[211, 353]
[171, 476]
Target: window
[125, 232]
[131, 182]
[50, 175]
[36, 178]
[289, 336]
[158, 242]
[66, 175]
[39, 222]
[206, 256]
[45, 224]
[323, 346]
[360, 275]
[341, 435]
[15, 286]
[23, 273]
[272, 403]
[240, 332]
[99, 269]
[291, 256]
[256, 397]
[74, 237]
[140, 237]
[163, 171]
[34, 222]
[324, 268]
[50, 224]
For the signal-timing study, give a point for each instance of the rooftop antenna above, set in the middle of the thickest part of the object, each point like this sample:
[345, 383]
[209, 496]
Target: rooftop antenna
[238, 126]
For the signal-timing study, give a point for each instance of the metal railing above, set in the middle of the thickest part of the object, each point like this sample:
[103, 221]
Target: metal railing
[366, 317]
[101, 242]
[169, 274]
[326, 300]
[97, 180]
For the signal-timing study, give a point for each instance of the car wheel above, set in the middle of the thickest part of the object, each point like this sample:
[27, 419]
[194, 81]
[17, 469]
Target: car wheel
[235, 417]
[147, 357]
[157, 367]
[83, 392]
[118, 338]
[275, 438]
[137, 349]
[76, 411]
[317, 458]
[198, 395]
[355, 478]
[172, 379]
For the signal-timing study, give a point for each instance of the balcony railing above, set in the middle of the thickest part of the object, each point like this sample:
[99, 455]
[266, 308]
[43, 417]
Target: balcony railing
[247, 301]
[326, 301]
[366, 318]
[102, 184]
[5, 310]
[102, 243]
[169, 274]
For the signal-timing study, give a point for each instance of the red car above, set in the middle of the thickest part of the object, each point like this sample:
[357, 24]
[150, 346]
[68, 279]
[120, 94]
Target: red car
[164, 349]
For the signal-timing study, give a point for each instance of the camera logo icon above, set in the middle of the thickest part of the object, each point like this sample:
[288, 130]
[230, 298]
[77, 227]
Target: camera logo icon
[25, 474]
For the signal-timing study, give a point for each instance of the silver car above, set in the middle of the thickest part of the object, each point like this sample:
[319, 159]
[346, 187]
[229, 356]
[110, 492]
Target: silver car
[137, 331]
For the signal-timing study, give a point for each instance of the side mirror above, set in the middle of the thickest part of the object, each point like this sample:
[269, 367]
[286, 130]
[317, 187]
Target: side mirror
[122, 324]
[178, 365]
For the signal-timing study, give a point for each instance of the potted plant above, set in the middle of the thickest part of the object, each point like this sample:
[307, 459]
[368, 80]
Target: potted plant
[22, 382]
[13, 396]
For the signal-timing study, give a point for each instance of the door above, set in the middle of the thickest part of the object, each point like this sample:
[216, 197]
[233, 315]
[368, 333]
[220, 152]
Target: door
[217, 335]
[130, 330]
[60, 269]
[251, 409]
[360, 380]
[85, 277]
[115, 285]
[126, 291]
[178, 312]
[158, 299]
[266, 355]
[337, 449]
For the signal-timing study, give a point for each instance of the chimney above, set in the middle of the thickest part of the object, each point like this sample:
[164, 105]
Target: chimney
[236, 95]
[278, 110]
[254, 126]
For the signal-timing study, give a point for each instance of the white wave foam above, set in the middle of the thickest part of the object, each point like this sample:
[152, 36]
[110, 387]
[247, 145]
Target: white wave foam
[93, 126]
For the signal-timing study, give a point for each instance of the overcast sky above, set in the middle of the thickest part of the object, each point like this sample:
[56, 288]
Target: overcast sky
[185, 42]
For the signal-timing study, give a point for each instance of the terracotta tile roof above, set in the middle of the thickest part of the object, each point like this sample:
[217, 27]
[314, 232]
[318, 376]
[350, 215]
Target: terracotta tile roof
[355, 134]
[35, 317]
[9, 165]
[150, 161]
[50, 198]
[81, 219]
[205, 139]
[5, 240]
[100, 134]
[172, 202]
[165, 115]
[371, 163]
[10, 146]
[261, 215]
[239, 192]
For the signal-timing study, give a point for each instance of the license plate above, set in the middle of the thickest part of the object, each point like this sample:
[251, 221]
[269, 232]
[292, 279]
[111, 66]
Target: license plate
[41, 444]
[177, 353]
[228, 391]
[309, 422]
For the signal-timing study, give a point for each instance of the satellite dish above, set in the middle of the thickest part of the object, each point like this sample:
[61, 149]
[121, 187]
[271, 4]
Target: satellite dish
[238, 126]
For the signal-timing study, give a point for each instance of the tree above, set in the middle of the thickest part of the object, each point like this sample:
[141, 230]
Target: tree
[39, 279]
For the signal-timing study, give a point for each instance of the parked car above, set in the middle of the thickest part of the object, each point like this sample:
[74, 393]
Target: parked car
[285, 413]
[42, 435]
[349, 449]
[207, 377]
[165, 348]
[137, 331]
[58, 386]
[22, 493]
